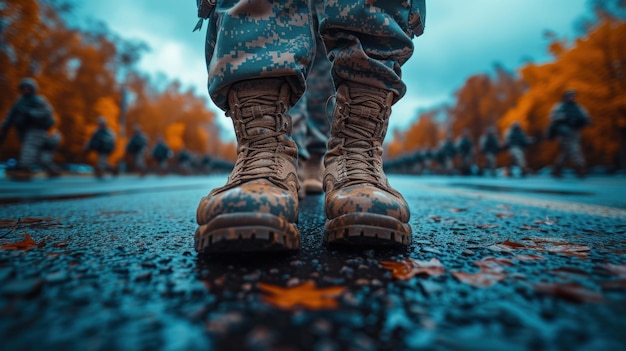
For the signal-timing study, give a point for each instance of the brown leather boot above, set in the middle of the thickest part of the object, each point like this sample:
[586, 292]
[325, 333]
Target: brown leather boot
[257, 209]
[361, 207]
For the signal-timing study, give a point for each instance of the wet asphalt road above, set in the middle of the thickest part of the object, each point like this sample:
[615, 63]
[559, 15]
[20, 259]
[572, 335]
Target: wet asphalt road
[515, 268]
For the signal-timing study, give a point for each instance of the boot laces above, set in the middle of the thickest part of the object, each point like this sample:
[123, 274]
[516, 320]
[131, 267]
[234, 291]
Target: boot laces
[362, 133]
[258, 155]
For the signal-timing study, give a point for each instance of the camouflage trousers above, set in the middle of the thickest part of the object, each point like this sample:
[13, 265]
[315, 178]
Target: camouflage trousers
[570, 151]
[366, 41]
[518, 156]
[31, 151]
[490, 161]
[103, 164]
[137, 160]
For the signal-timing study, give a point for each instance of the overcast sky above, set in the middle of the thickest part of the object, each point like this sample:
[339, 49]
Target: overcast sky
[462, 38]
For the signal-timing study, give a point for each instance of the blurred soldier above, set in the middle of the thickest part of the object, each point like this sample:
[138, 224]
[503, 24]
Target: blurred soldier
[311, 114]
[416, 162]
[184, 161]
[205, 164]
[48, 149]
[566, 120]
[32, 117]
[429, 156]
[490, 147]
[136, 148]
[517, 142]
[103, 143]
[161, 153]
[465, 148]
[447, 152]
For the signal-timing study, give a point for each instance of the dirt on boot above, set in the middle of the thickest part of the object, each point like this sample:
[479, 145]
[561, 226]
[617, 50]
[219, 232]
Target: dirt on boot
[257, 209]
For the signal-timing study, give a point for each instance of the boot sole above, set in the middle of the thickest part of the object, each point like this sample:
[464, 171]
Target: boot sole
[367, 229]
[246, 232]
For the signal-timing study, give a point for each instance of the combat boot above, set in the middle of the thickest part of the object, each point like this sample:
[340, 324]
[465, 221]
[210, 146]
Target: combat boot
[257, 209]
[361, 207]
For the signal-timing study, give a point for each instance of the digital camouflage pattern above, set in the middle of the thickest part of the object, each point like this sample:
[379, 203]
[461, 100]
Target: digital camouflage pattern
[249, 39]
[361, 206]
[257, 209]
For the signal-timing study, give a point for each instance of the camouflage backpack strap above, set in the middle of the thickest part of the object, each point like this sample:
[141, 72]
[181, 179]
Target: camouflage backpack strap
[205, 8]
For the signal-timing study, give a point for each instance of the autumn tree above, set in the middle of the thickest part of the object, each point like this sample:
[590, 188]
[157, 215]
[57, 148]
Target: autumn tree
[594, 65]
[83, 72]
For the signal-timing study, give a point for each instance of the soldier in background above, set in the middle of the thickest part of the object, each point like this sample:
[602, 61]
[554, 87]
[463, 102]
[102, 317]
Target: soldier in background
[136, 148]
[516, 142]
[32, 117]
[447, 152]
[49, 147]
[103, 143]
[428, 155]
[490, 147]
[465, 149]
[567, 119]
[161, 154]
[184, 162]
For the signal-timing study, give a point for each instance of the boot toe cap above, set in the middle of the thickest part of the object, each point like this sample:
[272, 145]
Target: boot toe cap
[366, 199]
[258, 197]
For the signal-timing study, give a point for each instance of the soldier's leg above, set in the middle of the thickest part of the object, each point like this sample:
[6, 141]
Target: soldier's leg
[258, 54]
[367, 43]
[31, 146]
[311, 113]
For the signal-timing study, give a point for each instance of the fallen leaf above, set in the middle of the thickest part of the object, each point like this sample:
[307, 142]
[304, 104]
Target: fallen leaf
[409, 268]
[504, 215]
[4, 223]
[306, 295]
[481, 279]
[546, 221]
[27, 244]
[493, 264]
[527, 227]
[617, 269]
[528, 258]
[554, 245]
[435, 218]
[614, 284]
[487, 226]
[571, 292]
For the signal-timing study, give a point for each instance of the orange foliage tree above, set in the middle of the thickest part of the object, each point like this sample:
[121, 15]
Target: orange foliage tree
[595, 66]
[80, 71]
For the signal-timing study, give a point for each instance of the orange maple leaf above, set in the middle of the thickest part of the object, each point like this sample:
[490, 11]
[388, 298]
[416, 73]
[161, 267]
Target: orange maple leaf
[306, 295]
[481, 279]
[409, 268]
[27, 244]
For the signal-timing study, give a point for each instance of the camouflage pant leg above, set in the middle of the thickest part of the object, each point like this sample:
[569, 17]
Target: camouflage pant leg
[313, 110]
[103, 163]
[46, 159]
[139, 161]
[517, 156]
[31, 147]
[570, 150]
[368, 41]
[490, 161]
[248, 39]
